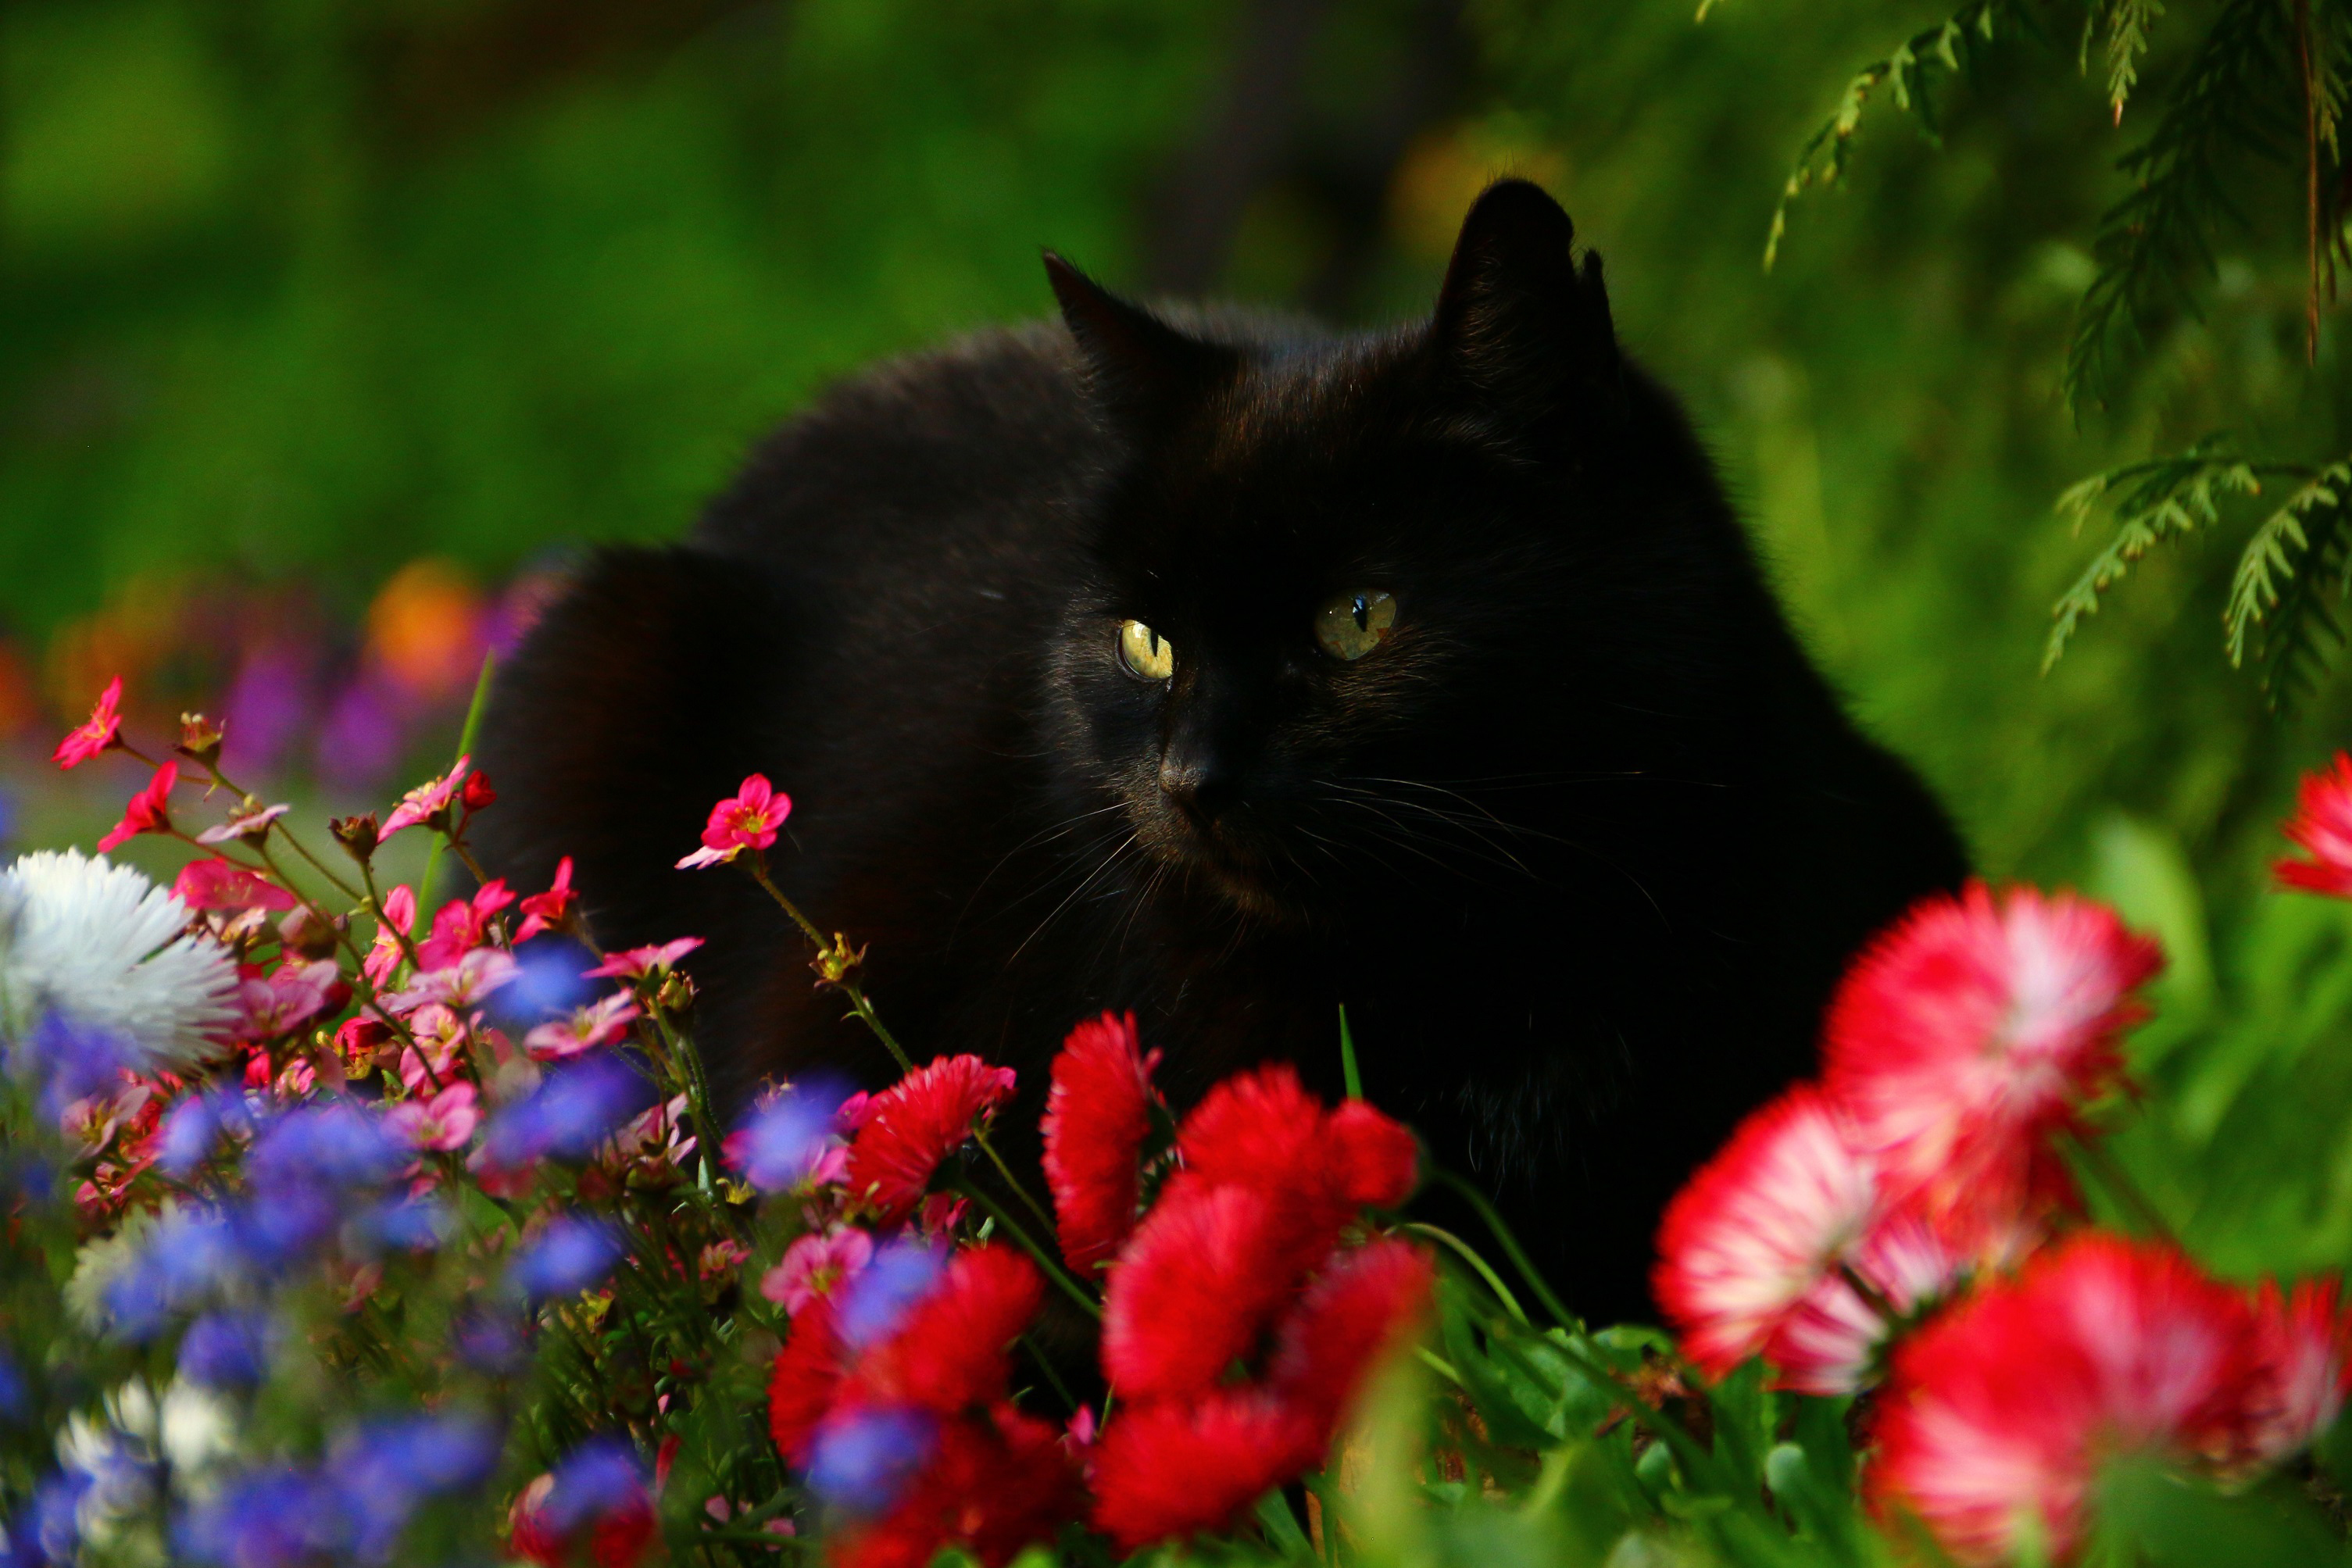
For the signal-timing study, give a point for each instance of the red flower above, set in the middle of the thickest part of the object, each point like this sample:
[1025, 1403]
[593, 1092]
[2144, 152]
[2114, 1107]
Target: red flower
[612, 1531]
[149, 811]
[2322, 825]
[1096, 1115]
[210, 883]
[100, 732]
[1172, 1468]
[996, 1483]
[1973, 1030]
[907, 1129]
[2304, 1342]
[642, 963]
[747, 819]
[1752, 1251]
[551, 908]
[1196, 1288]
[807, 1374]
[2002, 1409]
[1366, 1300]
[463, 925]
[427, 803]
[1263, 1130]
[477, 792]
[951, 1350]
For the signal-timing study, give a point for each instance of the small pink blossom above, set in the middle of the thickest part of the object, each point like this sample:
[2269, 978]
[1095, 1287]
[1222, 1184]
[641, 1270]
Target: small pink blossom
[463, 925]
[747, 819]
[426, 801]
[642, 963]
[586, 1030]
[210, 883]
[460, 986]
[149, 811]
[444, 1121]
[385, 958]
[720, 1259]
[817, 1265]
[439, 1034]
[100, 732]
[545, 911]
[243, 824]
[654, 1134]
[290, 997]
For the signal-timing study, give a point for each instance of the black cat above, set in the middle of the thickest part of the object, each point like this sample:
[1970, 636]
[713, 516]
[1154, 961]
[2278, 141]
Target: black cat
[1223, 669]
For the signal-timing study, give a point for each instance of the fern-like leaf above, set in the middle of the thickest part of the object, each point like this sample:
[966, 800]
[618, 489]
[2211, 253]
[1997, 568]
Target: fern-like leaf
[2127, 24]
[2164, 498]
[2295, 563]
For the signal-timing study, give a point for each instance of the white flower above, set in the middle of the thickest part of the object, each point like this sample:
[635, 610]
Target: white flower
[105, 948]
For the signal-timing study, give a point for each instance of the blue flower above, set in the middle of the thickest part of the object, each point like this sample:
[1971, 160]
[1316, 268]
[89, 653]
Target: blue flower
[71, 1061]
[403, 1225]
[574, 1109]
[602, 1475]
[279, 1227]
[48, 1529]
[901, 1274]
[334, 1145]
[776, 1144]
[193, 1127]
[192, 1253]
[381, 1472]
[861, 1462]
[227, 1349]
[490, 1341]
[549, 983]
[278, 1517]
[15, 1397]
[565, 1259]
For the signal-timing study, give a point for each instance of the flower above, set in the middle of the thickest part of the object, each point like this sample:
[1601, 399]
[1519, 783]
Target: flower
[571, 1255]
[586, 1030]
[381, 1470]
[439, 1034]
[246, 822]
[642, 963]
[1973, 1030]
[2322, 827]
[861, 1460]
[462, 926]
[801, 1384]
[1165, 1469]
[1365, 1300]
[949, 1349]
[542, 910]
[817, 1265]
[907, 1129]
[2001, 1411]
[1752, 1252]
[210, 883]
[1097, 1113]
[226, 1349]
[385, 956]
[593, 1503]
[444, 1121]
[461, 985]
[1263, 1130]
[426, 802]
[100, 732]
[149, 811]
[747, 819]
[103, 947]
[576, 1107]
[1196, 1288]
[2304, 1343]
[780, 1145]
[291, 996]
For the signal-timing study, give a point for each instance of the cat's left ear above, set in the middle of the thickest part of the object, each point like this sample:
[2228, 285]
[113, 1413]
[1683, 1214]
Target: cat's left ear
[1518, 322]
[1141, 368]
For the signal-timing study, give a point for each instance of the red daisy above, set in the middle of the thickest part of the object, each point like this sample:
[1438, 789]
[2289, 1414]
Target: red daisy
[2304, 1342]
[1098, 1113]
[2001, 1410]
[952, 1350]
[100, 732]
[1974, 1028]
[804, 1379]
[1263, 1130]
[1172, 1468]
[996, 1483]
[149, 811]
[2321, 826]
[907, 1129]
[1196, 1288]
[1365, 1300]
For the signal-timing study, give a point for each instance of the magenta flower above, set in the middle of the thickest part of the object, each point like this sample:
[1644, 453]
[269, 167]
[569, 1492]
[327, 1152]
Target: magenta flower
[817, 1265]
[586, 1030]
[542, 910]
[463, 925]
[461, 985]
[385, 957]
[642, 963]
[444, 1121]
[211, 883]
[439, 1035]
[243, 824]
[426, 801]
[100, 732]
[149, 811]
[291, 996]
[747, 819]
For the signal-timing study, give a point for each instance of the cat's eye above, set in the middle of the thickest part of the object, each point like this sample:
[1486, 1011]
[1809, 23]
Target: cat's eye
[1353, 624]
[1147, 655]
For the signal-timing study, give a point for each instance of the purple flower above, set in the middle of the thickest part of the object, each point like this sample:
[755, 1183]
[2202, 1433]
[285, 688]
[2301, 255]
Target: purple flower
[381, 1471]
[574, 1109]
[778, 1144]
[16, 1398]
[595, 1478]
[49, 1530]
[333, 1145]
[277, 1229]
[565, 1259]
[861, 1461]
[278, 1517]
[227, 1349]
[900, 1274]
[549, 983]
[192, 1253]
[192, 1129]
[402, 1224]
[71, 1061]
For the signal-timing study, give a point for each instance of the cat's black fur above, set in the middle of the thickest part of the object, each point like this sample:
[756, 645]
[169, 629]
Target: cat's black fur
[1582, 848]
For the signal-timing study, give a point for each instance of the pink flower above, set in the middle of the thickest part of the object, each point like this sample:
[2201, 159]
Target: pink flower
[541, 911]
[1096, 1115]
[1753, 1251]
[2304, 1343]
[384, 958]
[460, 986]
[211, 883]
[586, 1030]
[243, 824]
[149, 811]
[2322, 825]
[290, 998]
[910, 1127]
[817, 1265]
[444, 1121]
[1970, 1032]
[748, 819]
[2002, 1409]
[426, 801]
[439, 1034]
[463, 925]
[642, 963]
[100, 732]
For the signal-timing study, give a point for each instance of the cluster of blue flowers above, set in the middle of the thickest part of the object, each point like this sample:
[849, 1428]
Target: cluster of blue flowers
[351, 1507]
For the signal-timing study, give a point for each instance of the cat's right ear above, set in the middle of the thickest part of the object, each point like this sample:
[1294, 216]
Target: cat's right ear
[1140, 367]
[1518, 322]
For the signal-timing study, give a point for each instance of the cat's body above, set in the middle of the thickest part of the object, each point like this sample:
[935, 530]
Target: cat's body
[1582, 845]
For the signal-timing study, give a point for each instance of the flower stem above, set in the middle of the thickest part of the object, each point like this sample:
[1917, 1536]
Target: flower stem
[465, 749]
[1054, 1270]
[1510, 1245]
[2122, 1189]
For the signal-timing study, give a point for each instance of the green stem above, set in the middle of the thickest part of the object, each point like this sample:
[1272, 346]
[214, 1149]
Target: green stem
[465, 749]
[1470, 1256]
[1355, 1079]
[2123, 1189]
[1510, 1245]
[1054, 1270]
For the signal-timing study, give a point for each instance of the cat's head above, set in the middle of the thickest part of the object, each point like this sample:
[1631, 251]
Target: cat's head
[1359, 604]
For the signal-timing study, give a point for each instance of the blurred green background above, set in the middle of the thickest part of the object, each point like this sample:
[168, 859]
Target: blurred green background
[321, 324]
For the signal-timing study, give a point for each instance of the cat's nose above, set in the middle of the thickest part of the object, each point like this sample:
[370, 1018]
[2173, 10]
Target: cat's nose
[1196, 782]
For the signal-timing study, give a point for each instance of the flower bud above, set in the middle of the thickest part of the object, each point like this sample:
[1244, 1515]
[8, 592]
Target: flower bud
[477, 792]
[305, 933]
[357, 834]
[676, 993]
[200, 738]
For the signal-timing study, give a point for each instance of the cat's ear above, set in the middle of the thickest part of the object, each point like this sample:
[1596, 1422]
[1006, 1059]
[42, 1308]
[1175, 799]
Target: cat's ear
[1140, 367]
[1518, 322]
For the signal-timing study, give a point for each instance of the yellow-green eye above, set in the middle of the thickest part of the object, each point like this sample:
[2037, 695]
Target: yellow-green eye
[1353, 624]
[1147, 655]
